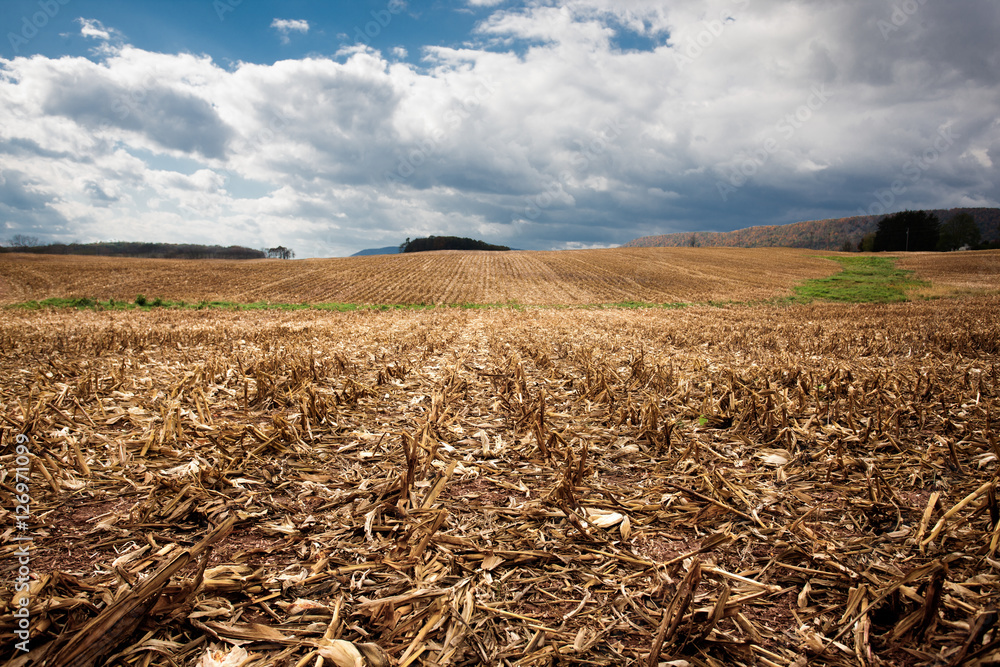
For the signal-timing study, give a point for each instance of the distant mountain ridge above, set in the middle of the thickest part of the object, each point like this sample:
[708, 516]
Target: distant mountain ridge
[387, 250]
[829, 234]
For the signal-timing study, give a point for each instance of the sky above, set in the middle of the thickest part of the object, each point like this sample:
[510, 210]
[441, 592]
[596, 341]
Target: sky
[329, 127]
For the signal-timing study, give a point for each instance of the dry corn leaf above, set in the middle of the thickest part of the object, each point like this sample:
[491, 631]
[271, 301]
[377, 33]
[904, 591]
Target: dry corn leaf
[604, 518]
[348, 654]
[235, 656]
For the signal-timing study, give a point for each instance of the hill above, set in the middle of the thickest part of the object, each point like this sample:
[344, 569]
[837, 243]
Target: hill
[367, 252]
[829, 234]
[448, 243]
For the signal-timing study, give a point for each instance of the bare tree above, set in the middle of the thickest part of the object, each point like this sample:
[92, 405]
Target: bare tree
[22, 241]
[280, 252]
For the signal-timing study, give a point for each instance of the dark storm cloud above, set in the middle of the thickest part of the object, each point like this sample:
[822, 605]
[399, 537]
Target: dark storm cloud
[172, 119]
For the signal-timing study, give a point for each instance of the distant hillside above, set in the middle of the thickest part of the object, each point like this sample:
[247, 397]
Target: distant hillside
[448, 243]
[388, 250]
[814, 234]
[144, 250]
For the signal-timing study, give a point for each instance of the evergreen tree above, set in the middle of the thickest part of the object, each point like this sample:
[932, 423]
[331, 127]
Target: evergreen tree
[867, 243]
[907, 230]
[960, 231]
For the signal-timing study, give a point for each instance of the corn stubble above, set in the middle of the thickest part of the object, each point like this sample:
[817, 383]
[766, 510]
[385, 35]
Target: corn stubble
[741, 486]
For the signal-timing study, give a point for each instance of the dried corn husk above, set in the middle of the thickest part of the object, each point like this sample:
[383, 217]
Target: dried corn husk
[348, 654]
[235, 656]
[604, 518]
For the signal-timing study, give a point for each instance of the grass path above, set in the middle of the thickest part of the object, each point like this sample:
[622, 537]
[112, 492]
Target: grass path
[862, 280]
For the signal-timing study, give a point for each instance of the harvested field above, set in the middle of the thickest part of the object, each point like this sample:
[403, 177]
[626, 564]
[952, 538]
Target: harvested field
[952, 273]
[738, 486]
[658, 275]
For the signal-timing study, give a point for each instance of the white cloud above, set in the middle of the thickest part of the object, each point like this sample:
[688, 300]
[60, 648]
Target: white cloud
[286, 26]
[576, 245]
[96, 30]
[547, 128]
[93, 28]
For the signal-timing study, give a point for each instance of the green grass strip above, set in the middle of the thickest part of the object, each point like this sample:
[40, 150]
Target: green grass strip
[862, 280]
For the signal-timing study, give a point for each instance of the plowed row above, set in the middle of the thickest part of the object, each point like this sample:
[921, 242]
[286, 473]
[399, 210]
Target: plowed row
[544, 278]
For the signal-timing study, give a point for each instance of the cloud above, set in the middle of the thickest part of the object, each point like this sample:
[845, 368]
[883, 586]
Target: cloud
[27, 207]
[576, 245]
[287, 26]
[94, 29]
[99, 195]
[19, 192]
[582, 123]
[126, 98]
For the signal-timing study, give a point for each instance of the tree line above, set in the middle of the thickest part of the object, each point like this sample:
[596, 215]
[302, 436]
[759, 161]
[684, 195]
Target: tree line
[446, 243]
[844, 234]
[21, 243]
[281, 252]
[922, 231]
